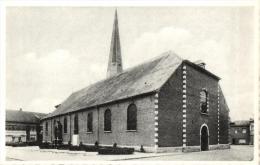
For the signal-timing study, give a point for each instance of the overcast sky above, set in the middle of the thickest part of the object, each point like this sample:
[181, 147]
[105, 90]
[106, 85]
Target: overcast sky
[54, 51]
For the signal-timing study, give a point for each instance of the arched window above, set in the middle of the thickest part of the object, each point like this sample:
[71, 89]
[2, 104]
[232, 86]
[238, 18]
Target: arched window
[107, 120]
[76, 125]
[90, 121]
[65, 125]
[131, 117]
[204, 101]
[54, 126]
[46, 126]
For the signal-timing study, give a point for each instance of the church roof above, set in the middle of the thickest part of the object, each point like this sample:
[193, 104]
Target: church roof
[23, 116]
[142, 79]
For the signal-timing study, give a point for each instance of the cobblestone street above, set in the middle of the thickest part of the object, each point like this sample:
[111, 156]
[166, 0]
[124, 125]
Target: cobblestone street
[236, 153]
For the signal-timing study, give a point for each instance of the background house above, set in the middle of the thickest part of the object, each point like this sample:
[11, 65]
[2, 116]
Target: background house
[23, 126]
[242, 132]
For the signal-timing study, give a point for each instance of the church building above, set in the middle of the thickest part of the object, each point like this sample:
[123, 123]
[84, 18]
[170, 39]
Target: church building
[165, 104]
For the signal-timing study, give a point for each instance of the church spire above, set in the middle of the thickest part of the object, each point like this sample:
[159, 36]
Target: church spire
[115, 62]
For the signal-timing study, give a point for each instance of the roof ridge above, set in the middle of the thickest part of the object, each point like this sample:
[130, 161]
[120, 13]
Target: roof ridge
[131, 82]
[24, 111]
[167, 53]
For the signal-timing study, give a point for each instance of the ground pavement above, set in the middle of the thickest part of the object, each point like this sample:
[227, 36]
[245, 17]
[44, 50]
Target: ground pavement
[236, 153]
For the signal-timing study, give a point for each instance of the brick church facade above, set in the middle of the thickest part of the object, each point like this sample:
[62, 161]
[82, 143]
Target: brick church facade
[165, 104]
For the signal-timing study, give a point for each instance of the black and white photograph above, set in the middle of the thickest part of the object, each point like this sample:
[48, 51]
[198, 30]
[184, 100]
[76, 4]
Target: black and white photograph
[130, 83]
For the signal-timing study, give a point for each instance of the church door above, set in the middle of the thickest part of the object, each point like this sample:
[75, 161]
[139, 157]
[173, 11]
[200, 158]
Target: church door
[204, 139]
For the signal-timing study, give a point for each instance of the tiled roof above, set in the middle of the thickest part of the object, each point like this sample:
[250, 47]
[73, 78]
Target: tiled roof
[142, 79]
[23, 116]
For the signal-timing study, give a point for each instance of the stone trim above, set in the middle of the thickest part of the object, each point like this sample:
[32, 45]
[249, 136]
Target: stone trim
[219, 147]
[156, 124]
[211, 147]
[169, 149]
[218, 114]
[184, 106]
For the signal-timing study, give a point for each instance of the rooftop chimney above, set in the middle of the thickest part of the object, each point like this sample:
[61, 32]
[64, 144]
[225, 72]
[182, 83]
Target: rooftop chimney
[57, 106]
[200, 63]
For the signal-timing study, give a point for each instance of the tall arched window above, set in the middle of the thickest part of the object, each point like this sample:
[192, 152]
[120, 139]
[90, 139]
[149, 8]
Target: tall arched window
[90, 121]
[54, 127]
[65, 125]
[107, 120]
[131, 117]
[46, 126]
[204, 101]
[54, 124]
[76, 124]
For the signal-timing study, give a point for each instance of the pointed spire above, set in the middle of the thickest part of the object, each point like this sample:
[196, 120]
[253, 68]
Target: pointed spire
[115, 62]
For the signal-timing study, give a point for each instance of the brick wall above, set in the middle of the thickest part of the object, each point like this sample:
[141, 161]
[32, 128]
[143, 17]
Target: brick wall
[171, 117]
[119, 134]
[170, 112]
[196, 81]
[223, 120]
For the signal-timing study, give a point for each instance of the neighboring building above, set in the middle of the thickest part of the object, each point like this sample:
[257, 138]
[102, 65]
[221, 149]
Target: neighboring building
[251, 128]
[22, 126]
[242, 132]
[165, 104]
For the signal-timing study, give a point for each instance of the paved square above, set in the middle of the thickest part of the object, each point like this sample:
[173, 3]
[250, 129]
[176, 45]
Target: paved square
[236, 153]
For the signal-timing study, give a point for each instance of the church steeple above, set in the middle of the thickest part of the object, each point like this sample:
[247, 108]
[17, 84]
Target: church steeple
[115, 62]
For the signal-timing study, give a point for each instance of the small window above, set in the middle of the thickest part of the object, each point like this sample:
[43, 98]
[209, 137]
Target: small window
[204, 101]
[243, 130]
[76, 124]
[90, 122]
[46, 126]
[54, 124]
[131, 117]
[107, 120]
[65, 125]
[242, 141]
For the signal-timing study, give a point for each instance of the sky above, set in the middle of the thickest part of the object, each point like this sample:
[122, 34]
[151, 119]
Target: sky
[54, 51]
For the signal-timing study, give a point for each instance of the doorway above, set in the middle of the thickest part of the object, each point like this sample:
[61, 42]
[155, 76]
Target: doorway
[27, 133]
[204, 138]
[58, 133]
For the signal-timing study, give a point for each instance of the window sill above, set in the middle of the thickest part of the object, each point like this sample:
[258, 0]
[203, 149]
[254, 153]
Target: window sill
[131, 130]
[204, 113]
[89, 132]
[107, 131]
